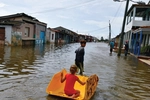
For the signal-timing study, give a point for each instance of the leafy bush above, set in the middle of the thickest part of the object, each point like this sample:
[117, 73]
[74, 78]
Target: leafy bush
[145, 49]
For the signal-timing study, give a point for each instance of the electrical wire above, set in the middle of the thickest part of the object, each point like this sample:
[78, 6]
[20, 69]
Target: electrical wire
[116, 13]
[63, 8]
[110, 23]
[78, 5]
[70, 7]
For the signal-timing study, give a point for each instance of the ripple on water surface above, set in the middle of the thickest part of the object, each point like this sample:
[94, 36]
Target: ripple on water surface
[26, 71]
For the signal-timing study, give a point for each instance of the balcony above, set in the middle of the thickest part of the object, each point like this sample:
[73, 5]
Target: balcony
[138, 16]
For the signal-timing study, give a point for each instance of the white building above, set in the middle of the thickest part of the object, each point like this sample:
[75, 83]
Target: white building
[50, 36]
[137, 29]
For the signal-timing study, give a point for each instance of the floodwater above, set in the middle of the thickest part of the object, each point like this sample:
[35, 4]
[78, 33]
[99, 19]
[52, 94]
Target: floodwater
[26, 71]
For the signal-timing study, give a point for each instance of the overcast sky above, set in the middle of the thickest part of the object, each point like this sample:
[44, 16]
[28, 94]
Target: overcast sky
[82, 16]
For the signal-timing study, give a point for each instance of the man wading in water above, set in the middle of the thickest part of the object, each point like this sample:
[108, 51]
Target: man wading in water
[79, 59]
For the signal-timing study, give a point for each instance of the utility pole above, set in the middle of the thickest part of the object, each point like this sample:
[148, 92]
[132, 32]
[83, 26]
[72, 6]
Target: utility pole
[109, 31]
[123, 26]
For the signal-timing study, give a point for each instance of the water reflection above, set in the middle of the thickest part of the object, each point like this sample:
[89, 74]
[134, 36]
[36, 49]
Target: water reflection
[15, 61]
[26, 71]
[129, 81]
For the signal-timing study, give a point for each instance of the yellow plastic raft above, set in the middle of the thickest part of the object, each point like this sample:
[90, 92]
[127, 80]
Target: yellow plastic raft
[56, 88]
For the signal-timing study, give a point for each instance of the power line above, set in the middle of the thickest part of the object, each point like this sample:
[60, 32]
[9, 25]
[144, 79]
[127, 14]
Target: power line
[95, 30]
[63, 8]
[116, 12]
[70, 7]
[110, 23]
[74, 6]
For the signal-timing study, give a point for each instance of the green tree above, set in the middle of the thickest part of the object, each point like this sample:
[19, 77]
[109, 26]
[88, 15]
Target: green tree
[102, 39]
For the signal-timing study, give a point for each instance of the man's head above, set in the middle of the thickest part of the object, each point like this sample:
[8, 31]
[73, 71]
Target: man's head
[83, 43]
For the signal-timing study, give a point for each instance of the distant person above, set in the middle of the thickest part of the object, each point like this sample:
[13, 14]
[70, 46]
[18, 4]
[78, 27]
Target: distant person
[111, 46]
[79, 58]
[71, 78]
[126, 48]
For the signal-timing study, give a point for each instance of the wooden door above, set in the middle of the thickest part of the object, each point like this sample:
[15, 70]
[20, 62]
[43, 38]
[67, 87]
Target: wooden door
[2, 35]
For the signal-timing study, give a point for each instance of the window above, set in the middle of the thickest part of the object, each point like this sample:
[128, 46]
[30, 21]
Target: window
[52, 36]
[27, 31]
[131, 16]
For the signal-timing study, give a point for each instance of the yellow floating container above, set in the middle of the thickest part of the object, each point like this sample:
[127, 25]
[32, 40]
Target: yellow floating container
[56, 88]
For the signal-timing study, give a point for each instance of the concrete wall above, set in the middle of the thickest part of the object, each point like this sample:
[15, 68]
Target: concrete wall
[48, 35]
[39, 29]
[17, 33]
[16, 38]
[21, 29]
[31, 32]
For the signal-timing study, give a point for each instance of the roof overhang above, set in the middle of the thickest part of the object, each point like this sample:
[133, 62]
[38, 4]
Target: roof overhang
[28, 39]
[141, 29]
[140, 9]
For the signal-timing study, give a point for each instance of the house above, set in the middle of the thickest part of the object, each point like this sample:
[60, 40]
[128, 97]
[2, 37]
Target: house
[89, 38]
[21, 29]
[5, 37]
[116, 40]
[50, 35]
[82, 37]
[63, 35]
[137, 29]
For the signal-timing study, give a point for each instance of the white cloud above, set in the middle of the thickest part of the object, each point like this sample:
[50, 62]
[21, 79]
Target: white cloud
[63, 17]
[2, 4]
[96, 23]
[85, 16]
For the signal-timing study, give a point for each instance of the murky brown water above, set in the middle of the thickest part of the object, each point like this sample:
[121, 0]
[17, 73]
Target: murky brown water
[26, 71]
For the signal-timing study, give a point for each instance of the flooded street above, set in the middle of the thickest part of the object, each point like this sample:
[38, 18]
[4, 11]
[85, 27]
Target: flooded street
[26, 71]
